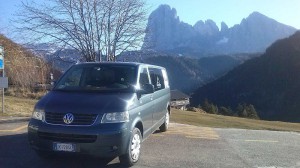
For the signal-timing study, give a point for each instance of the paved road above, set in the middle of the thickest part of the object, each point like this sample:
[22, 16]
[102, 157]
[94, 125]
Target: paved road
[181, 146]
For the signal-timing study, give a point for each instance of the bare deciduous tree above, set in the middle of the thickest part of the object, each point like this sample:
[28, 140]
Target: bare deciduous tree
[23, 68]
[96, 28]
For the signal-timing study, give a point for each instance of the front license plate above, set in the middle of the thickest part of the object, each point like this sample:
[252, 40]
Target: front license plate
[67, 147]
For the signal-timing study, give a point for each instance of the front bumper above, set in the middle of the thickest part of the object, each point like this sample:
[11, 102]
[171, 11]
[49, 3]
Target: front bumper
[102, 140]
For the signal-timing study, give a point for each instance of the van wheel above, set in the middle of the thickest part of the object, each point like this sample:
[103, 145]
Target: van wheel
[165, 126]
[134, 149]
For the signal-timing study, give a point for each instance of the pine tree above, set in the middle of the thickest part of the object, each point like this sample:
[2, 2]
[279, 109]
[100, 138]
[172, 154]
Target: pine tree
[225, 111]
[252, 112]
[214, 109]
[240, 110]
[246, 111]
[206, 106]
[209, 107]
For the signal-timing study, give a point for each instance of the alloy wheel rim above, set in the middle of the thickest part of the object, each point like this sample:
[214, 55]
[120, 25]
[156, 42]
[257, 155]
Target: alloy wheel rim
[167, 119]
[135, 147]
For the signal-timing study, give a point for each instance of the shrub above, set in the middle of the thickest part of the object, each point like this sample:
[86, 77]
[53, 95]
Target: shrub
[209, 107]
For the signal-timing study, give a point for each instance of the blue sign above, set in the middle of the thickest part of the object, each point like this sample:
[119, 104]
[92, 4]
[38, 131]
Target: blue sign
[1, 57]
[1, 63]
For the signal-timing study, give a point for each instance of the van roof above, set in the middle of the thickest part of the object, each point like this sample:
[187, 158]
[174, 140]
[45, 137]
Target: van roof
[119, 63]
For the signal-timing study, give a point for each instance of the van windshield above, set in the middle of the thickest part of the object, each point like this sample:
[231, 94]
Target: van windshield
[99, 78]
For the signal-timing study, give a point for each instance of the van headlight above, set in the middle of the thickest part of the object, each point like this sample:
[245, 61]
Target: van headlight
[117, 117]
[38, 114]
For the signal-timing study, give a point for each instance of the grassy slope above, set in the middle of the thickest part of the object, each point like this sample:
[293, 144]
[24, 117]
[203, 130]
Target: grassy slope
[18, 106]
[23, 107]
[219, 121]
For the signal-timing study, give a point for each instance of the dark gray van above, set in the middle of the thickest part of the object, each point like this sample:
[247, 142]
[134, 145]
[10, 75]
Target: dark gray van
[102, 109]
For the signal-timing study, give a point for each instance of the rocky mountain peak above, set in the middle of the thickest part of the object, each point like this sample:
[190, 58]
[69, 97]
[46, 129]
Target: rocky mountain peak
[257, 15]
[257, 18]
[224, 27]
[160, 28]
[209, 27]
[165, 32]
[164, 11]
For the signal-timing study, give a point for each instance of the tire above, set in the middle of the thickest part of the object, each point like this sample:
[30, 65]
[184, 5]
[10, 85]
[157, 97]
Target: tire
[134, 149]
[165, 126]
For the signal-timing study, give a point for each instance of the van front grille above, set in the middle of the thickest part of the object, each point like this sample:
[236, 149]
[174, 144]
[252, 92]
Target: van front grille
[79, 119]
[59, 137]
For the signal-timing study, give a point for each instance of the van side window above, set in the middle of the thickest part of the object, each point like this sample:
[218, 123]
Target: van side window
[157, 78]
[165, 77]
[144, 79]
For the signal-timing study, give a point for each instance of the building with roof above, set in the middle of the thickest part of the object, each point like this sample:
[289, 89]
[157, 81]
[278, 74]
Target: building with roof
[179, 100]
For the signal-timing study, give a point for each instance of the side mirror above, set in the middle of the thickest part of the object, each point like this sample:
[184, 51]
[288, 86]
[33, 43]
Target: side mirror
[147, 89]
[51, 86]
[53, 83]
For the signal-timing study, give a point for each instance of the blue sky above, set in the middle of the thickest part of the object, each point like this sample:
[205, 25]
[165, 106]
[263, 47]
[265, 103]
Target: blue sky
[233, 11]
[190, 11]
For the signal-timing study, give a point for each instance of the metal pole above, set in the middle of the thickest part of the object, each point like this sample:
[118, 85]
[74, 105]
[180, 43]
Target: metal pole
[3, 94]
[3, 75]
[3, 87]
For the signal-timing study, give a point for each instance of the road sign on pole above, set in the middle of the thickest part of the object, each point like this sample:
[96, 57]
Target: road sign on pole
[3, 81]
[1, 57]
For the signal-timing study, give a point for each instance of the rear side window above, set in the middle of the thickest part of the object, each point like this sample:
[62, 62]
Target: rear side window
[166, 80]
[144, 78]
[157, 78]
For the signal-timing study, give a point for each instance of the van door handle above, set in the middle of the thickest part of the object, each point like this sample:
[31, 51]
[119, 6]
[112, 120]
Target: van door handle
[151, 97]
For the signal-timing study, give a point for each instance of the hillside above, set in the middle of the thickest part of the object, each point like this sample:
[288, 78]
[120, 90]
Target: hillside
[22, 67]
[270, 82]
[186, 73]
[166, 32]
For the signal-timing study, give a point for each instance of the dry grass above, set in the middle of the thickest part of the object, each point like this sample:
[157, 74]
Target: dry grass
[23, 107]
[15, 106]
[24, 93]
[219, 121]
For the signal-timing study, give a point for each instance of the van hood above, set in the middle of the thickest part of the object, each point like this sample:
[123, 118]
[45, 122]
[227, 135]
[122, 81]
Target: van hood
[84, 102]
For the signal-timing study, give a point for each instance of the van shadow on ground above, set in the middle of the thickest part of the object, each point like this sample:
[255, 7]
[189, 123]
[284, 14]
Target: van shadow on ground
[15, 152]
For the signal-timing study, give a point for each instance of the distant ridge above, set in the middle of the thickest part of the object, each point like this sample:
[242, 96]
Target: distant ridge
[270, 82]
[185, 73]
[165, 32]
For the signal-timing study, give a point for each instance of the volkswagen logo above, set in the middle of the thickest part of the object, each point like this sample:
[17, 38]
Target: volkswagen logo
[68, 118]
